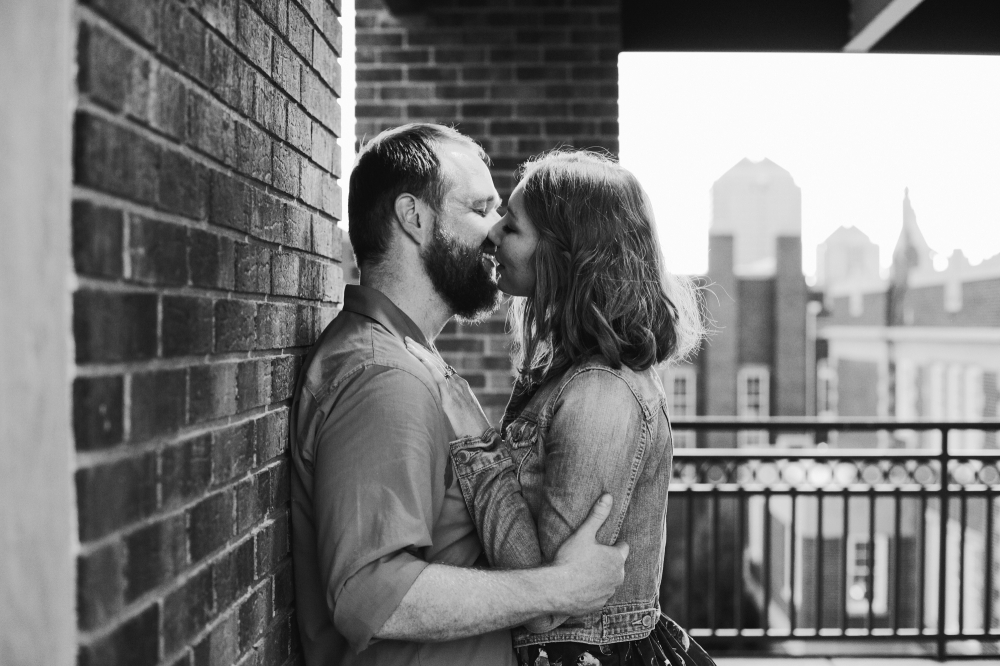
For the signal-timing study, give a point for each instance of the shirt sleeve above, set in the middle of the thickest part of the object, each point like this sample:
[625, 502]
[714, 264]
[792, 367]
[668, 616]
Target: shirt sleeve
[378, 485]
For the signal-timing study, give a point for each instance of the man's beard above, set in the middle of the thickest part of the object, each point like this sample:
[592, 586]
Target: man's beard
[459, 274]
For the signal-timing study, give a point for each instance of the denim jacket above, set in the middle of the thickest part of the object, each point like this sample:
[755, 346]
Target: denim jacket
[592, 430]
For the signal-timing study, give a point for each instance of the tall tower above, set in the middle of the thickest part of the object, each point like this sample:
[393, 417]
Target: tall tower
[756, 363]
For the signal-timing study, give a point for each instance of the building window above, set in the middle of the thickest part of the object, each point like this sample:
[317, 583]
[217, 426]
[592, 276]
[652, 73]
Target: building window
[867, 566]
[826, 389]
[753, 391]
[681, 385]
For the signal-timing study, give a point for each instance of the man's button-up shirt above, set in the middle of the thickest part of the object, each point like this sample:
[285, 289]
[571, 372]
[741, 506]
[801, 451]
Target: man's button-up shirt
[374, 499]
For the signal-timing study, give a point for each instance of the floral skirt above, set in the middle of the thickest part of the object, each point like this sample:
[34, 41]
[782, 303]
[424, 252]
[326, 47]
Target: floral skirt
[668, 644]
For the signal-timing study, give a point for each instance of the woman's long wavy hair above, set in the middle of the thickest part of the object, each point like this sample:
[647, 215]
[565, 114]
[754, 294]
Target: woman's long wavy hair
[601, 287]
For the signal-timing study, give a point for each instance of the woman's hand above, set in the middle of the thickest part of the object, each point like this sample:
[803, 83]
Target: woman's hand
[460, 405]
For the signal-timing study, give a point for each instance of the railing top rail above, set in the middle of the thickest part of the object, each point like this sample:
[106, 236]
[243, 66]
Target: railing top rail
[813, 423]
[770, 453]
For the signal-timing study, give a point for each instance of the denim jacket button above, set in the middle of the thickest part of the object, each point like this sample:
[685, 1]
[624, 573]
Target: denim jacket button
[647, 621]
[462, 457]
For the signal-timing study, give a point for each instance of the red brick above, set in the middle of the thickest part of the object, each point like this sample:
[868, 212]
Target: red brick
[97, 412]
[221, 646]
[187, 326]
[223, 72]
[158, 252]
[284, 371]
[326, 63]
[253, 500]
[299, 129]
[183, 185]
[298, 228]
[115, 495]
[255, 613]
[300, 31]
[112, 159]
[169, 112]
[233, 573]
[211, 129]
[253, 268]
[287, 70]
[186, 610]
[253, 37]
[276, 12]
[100, 585]
[253, 152]
[139, 18]
[111, 73]
[378, 74]
[270, 107]
[112, 327]
[285, 274]
[185, 469]
[267, 217]
[325, 238]
[229, 202]
[210, 524]
[253, 384]
[277, 643]
[275, 324]
[156, 553]
[97, 240]
[157, 403]
[319, 101]
[212, 260]
[234, 326]
[134, 643]
[331, 196]
[324, 144]
[212, 390]
[272, 430]
[284, 589]
[182, 38]
[312, 185]
[220, 14]
[272, 544]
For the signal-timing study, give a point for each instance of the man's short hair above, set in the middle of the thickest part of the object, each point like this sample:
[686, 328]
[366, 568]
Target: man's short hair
[398, 160]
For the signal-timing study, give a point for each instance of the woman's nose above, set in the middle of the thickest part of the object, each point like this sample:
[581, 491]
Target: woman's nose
[495, 234]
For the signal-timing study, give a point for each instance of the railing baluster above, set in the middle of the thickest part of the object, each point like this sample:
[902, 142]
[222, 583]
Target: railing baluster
[741, 508]
[897, 565]
[961, 564]
[767, 561]
[689, 559]
[942, 642]
[871, 559]
[714, 585]
[819, 562]
[922, 569]
[792, 619]
[843, 560]
[988, 588]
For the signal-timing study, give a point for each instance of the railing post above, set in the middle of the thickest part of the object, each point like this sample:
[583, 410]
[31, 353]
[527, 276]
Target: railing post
[944, 458]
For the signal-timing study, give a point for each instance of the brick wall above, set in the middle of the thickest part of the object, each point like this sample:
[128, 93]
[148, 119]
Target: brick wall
[520, 77]
[206, 252]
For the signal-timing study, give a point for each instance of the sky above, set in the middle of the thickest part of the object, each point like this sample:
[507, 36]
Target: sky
[854, 130]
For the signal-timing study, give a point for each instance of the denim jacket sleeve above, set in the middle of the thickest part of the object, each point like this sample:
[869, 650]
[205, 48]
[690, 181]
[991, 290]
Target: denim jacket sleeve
[593, 445]
[493, 495]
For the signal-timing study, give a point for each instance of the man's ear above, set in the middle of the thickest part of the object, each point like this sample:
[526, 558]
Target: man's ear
[414, 217]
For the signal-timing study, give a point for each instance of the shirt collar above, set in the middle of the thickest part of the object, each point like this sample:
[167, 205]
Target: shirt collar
[373, 304]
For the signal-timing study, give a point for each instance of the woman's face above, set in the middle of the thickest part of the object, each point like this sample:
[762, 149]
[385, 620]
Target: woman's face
[515, 238]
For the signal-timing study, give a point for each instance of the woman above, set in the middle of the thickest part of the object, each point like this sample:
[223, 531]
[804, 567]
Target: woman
[594, 311]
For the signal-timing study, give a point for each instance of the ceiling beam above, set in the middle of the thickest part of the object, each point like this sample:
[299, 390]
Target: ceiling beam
[878, 27]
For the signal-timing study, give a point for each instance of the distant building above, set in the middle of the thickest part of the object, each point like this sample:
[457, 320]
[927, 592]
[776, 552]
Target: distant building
[846, 258]
[757, 300]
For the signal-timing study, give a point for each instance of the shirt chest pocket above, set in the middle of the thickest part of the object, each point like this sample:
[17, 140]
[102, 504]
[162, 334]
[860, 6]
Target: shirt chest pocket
[526, 453]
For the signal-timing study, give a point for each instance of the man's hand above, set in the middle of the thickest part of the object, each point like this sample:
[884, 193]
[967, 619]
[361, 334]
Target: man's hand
[590, 571]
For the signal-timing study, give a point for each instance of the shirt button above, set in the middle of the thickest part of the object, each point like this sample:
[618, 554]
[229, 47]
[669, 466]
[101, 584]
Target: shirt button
[647, 621]
[462, 457]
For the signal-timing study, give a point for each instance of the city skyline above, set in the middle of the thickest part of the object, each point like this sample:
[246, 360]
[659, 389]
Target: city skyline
[853, 130]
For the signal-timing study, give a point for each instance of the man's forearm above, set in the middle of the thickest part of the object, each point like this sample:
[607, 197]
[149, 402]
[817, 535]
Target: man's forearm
[447, 603]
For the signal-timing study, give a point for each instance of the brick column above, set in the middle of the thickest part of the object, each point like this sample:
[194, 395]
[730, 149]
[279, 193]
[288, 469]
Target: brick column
[718, 356]
[520, 77]
[789, 383]
[206, 251]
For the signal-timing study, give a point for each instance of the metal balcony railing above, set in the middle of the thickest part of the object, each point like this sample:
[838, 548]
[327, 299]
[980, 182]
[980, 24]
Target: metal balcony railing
[872, 537]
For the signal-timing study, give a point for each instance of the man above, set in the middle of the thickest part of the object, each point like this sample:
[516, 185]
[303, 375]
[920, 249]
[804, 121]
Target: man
[383, 545]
